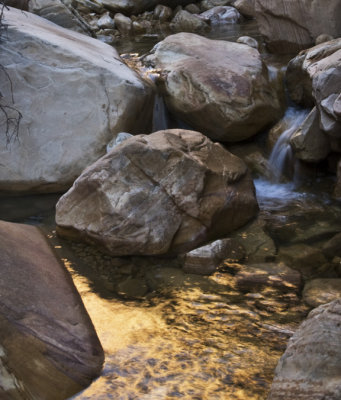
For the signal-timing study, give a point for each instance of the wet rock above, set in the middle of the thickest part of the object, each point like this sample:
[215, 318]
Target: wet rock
[221, 15]
[309, 143]
[163, 193]
[163, 13]
[308, 370]
[252, 155]
[193, 8]
[319, 61]
[254, 277]
[332, 248]
[132, 288]
[259, 247]
[290, 26]
[71, 113]
[187, 22]
[245, 7]
[55, 11]
[208, 4]
[89, 5]
[48, 344]
[323, 38]
[20, 4]
[106, 22]
[321, 291]
[124, 24]
[304, 258]
[249, 41]
[219, 88]
[206, 259]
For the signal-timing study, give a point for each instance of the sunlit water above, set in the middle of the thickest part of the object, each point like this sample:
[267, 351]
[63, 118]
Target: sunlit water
[173, 335]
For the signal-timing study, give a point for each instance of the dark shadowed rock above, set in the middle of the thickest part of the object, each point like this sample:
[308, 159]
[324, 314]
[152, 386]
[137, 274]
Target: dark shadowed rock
[48, 346]
[163, 193]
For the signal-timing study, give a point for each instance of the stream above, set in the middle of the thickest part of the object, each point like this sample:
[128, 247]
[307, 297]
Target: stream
[169, 335]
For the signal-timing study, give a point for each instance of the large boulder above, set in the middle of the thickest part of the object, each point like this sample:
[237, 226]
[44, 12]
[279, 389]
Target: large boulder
[74, 94]
[164, 193]
[291, 25]
[310, 367]
[48, 346]
[217, 87]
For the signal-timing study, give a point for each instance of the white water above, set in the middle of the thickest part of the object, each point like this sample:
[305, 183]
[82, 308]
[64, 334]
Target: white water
[282, 158]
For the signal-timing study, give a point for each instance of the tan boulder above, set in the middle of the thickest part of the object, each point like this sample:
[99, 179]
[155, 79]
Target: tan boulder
[219, 88]
[292, 25]
[74, 94]
[310, 367]
[164, 193]
[48, 346]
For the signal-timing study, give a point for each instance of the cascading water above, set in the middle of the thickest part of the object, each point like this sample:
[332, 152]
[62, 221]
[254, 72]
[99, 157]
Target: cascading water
[275, 193]
[282, 158]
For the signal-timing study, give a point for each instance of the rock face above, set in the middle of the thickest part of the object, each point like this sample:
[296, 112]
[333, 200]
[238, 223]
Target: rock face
[314, 78]
[310, 367]
[164, 193]
[49, 348]
[74, 94]
[292, 25]
[219, 88]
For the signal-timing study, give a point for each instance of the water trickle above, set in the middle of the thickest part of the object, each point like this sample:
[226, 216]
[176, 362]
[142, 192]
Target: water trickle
[160, 114]
[282, 159]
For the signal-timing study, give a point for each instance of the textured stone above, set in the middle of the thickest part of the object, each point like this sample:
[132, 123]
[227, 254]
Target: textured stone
[184, 21]
[221, 15]
[219, 88]
[206, 259]
[291, 25]
[310, 367]
[49, 347]
[164, 193]
[74, 93]
[309, 142]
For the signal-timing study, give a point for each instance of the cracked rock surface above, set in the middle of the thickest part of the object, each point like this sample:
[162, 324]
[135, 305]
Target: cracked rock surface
[163, 193]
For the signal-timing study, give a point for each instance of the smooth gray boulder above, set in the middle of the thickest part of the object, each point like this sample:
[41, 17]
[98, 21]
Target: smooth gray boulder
[163, 193]
[48, 346]
[74, 94]
[219, 88]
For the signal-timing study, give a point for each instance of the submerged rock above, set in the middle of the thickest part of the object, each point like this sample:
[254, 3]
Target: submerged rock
[310, 367]
[219, 88]
[164, 193]
[74, 94]
[48, 346]
[206, 259]
[291, 25]
[321, 291]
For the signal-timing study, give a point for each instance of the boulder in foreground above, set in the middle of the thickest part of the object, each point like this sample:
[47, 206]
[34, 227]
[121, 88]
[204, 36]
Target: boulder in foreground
[48, 346]
[310, 367]
[164, 193]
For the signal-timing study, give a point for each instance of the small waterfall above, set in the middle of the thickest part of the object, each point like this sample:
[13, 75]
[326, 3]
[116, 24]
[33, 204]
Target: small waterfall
[160, 114]
[281, 158]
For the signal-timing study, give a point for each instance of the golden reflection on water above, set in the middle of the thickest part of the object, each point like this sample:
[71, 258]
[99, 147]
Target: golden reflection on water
[194, 338]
